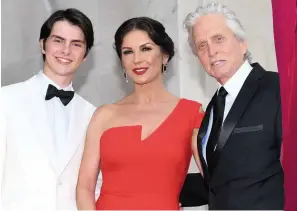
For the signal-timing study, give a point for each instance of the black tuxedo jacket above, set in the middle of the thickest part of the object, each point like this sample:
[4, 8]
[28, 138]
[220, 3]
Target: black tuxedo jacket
[248, 174]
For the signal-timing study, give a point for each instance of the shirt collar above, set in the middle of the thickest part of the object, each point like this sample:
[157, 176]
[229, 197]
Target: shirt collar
[44, 81]
[234, 84]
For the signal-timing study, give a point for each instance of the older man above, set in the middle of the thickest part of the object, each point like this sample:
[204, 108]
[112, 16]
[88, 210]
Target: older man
[240, 137]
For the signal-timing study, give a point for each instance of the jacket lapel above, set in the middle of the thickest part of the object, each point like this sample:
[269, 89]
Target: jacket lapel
[75, 134]
[245, 95]
[38, 115]
[201, 134]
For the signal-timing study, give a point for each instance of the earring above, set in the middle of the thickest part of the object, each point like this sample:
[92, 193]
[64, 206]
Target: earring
[164, 69]
[126, 77]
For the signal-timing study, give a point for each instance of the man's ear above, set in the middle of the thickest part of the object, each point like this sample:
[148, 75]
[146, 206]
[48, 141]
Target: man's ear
[244, 46]
[42, 46]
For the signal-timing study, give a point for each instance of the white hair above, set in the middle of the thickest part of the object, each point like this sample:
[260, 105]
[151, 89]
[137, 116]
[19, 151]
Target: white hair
[232, 22]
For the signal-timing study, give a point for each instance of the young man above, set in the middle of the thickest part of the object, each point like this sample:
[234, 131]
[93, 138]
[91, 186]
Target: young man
[45, 121]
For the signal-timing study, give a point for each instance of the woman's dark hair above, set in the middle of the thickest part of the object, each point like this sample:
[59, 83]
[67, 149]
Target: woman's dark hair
[153, 28]
[76, 18]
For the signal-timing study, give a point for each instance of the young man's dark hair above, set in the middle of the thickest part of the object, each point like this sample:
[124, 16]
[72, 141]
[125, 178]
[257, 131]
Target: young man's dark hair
[73, 16]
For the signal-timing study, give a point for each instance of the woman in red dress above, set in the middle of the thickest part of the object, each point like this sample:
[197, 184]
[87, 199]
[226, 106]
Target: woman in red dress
[142, 143]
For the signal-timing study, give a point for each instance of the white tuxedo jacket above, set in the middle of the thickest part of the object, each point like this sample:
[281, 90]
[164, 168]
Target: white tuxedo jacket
[30, 177]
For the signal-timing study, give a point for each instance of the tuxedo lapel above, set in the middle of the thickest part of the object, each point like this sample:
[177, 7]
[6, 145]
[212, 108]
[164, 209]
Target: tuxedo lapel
[38, 115]
[201, 134]
[245, 95]
[74, 135]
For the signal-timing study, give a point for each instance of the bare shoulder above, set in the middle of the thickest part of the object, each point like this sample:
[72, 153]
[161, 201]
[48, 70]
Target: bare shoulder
[100, 119]
[104, 112]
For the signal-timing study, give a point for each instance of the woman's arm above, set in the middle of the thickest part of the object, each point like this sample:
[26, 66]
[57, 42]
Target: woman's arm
[195, 150]
[90, 164]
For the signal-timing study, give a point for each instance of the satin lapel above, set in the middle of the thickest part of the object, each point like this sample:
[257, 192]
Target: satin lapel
[38, 115]
[201, 134]
[244, 97]
[75, 133]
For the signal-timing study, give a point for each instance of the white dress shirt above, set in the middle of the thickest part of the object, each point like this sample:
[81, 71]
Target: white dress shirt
[232, 86]
[57, 114]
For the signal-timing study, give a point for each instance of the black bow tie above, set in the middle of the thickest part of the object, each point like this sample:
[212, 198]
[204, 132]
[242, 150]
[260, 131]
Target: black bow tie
[65, 96]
